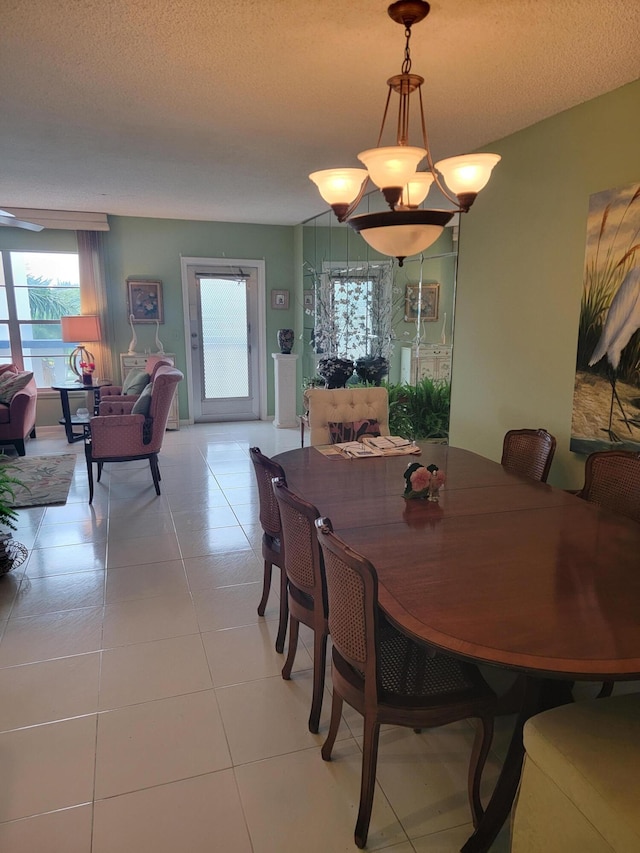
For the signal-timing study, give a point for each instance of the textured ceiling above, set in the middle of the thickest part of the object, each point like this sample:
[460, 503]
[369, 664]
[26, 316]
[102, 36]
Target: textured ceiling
[202, 109]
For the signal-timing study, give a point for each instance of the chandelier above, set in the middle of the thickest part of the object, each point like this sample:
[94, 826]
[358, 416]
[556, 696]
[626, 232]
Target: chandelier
[405, 229]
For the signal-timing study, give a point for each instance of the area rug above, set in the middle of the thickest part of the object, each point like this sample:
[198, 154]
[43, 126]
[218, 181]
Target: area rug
[45, 479]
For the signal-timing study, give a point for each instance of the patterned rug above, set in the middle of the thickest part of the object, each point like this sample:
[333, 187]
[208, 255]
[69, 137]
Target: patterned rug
[45, 479]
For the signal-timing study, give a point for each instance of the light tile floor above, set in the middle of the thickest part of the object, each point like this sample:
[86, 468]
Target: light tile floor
[142, 704]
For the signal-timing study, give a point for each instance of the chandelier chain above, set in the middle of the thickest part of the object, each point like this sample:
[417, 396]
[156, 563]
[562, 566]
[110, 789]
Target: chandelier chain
[406, 65]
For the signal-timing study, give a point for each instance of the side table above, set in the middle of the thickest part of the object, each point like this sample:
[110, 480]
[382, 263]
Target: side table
[69, 420]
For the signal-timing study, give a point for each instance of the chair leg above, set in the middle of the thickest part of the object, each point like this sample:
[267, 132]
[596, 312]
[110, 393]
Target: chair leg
[368, 784]
[479, 753]
[100, 464]
[19, 446]
[266, 587]
[319, 668]
[32, 434]
[284, 611]
[334, 725]
[606, 690]
[155, 473]
[293, 647]
[89, 471]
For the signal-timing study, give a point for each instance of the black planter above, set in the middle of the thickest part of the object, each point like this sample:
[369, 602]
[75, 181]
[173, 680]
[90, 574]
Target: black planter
[372, 369]
[336, 372]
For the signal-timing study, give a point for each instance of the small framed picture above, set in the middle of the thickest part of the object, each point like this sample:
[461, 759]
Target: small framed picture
[308, 299]
[421, 302]
[280, 299]
[145, 300]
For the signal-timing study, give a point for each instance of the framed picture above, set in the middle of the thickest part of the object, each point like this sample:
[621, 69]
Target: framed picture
[427, 303]
[308, 299]
[145, 300]
[280, 299]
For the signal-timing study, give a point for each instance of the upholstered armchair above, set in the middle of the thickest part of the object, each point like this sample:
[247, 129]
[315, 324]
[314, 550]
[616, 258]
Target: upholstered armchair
[18, 415]
[151, 365]
[344, 405]
[126, 430]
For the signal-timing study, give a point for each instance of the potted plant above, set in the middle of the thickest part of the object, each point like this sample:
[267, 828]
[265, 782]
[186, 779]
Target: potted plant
[12, 553]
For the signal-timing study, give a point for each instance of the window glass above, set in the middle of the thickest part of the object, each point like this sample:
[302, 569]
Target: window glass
[40, 288]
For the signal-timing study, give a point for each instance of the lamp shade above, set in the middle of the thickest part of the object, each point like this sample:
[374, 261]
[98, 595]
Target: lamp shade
[401, 233]
[392, 165]
[416, 190]
[80, 329]
[339, 186]
[468, 173]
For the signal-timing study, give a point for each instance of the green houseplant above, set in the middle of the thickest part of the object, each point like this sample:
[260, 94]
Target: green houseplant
[12, 553]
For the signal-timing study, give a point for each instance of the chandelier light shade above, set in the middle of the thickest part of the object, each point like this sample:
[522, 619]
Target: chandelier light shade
[405, 229]
[80, 329]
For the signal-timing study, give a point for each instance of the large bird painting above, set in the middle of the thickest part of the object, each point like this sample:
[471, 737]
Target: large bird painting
[606, 402]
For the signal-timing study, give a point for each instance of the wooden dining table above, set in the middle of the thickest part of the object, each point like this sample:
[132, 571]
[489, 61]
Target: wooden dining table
[501, 570]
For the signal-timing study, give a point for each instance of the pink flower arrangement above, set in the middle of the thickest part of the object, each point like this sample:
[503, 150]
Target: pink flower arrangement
[87, 366]
[420, 479]
[423, 482]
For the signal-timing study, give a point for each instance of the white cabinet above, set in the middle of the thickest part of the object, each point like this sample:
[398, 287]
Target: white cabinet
[130, 362]
[433, 360]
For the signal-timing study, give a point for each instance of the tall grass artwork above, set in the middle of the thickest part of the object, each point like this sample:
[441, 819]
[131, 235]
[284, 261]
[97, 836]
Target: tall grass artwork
[606, 401]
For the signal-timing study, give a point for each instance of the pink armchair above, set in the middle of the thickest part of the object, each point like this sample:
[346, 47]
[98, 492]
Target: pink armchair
[119, 434]
[18, 418]
[151, 365]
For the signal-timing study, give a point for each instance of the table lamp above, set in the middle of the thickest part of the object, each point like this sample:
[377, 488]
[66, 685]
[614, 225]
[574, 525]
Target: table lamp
[85, 328]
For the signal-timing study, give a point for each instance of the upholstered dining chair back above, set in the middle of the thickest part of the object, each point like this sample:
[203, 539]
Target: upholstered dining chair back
[307, 594]
[272, 542]
[345, 405]
[529, 452]
[612, 479]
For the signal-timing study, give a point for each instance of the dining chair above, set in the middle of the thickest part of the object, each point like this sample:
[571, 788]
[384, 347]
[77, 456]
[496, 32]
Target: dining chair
[306, 586]
[125, 430]
[272, 543]
[612, 480]
[528, 452]
[330, 410]
[390, 679]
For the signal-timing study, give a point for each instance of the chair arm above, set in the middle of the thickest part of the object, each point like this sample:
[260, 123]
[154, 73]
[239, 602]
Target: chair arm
[110, 391]
[117, 435]
[22, 411]
[116, 406]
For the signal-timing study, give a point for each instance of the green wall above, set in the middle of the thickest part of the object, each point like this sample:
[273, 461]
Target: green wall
[520, 275]
[152, 248]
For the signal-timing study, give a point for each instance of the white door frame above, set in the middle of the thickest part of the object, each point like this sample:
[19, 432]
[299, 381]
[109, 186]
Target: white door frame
[262, 322]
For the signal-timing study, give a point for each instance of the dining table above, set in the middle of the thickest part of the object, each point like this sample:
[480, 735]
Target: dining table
[501, 570]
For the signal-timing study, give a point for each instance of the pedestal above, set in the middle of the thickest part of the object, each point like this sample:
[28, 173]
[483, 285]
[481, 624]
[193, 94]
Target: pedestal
[285, 388]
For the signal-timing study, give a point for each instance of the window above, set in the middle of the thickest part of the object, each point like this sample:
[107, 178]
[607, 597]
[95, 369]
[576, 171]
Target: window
[353, 311]
[36, 289]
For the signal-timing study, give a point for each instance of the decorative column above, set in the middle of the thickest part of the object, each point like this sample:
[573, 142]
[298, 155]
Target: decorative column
[285, 388]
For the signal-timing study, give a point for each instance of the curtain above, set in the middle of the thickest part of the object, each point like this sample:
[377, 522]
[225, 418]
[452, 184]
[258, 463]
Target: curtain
[93, 296]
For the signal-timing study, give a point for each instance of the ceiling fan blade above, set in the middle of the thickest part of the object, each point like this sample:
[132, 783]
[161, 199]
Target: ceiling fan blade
[12, 222]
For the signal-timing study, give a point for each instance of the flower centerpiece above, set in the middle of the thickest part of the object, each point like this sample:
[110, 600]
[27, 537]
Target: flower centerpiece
[87, 368]
[423, 482]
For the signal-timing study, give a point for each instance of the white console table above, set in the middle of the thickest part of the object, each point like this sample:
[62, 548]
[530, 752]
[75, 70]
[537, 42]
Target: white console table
[433, 360]
[137, 361]
[285, 390]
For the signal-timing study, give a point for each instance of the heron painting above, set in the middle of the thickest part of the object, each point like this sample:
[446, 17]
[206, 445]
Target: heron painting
[606, 403]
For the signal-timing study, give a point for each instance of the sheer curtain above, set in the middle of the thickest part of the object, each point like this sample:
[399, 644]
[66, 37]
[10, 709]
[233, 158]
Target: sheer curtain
[93, 296]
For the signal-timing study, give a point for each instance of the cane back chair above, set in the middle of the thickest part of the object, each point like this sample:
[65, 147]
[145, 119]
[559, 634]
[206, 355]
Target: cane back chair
[528, 452]
[272, 544]
[612, 480]
[307, 588]
[388, 678]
